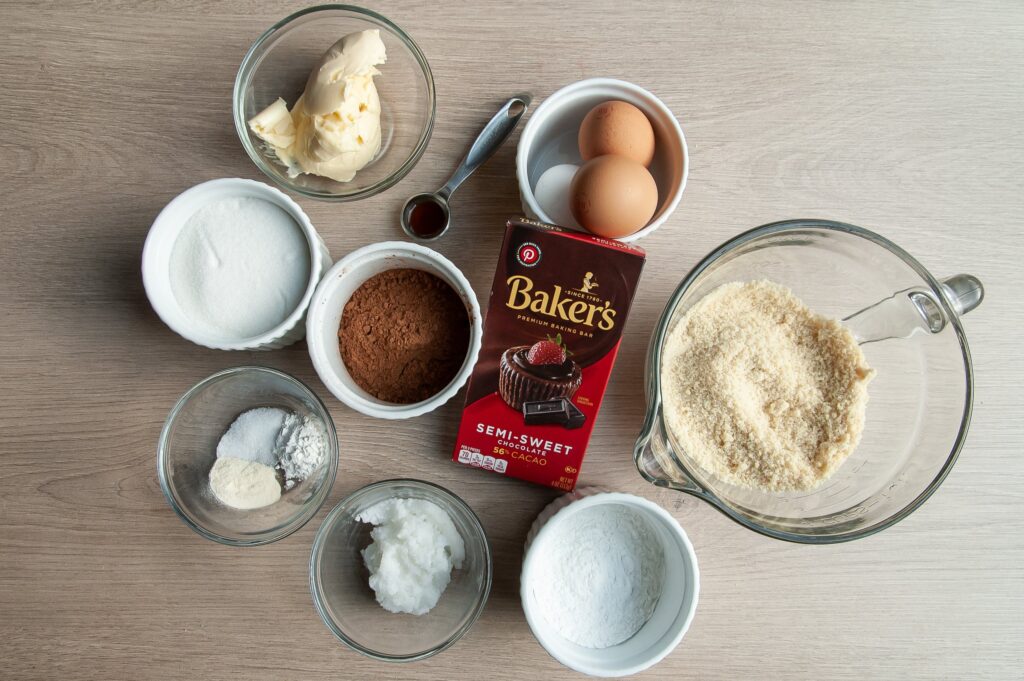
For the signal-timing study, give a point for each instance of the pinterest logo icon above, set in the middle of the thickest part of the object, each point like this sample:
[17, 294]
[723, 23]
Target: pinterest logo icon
[528, 254]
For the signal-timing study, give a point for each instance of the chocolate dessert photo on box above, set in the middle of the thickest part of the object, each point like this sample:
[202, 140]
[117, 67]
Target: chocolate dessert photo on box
[542, 371]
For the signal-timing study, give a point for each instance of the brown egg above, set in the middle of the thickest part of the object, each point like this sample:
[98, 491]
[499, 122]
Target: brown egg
[617, 128]
[613, 196]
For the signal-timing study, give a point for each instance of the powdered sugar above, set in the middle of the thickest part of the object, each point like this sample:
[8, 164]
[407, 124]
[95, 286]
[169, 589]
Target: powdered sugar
[603, 574]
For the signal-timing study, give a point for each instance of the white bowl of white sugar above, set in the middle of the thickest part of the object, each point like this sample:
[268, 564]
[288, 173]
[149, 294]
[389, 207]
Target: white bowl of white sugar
[609, 582]
[231, 264]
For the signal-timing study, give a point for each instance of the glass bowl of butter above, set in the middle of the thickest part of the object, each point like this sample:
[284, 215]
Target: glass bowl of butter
[335, 103]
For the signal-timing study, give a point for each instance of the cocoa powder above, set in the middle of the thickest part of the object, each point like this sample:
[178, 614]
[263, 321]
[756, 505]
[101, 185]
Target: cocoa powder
[404, 335]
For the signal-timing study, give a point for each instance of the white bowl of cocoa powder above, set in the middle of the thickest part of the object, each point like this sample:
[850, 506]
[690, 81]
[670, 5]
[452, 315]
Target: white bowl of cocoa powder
[394, 330]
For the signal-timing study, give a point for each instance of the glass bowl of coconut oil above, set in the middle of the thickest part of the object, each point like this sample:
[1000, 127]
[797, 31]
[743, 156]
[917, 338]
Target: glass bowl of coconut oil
[397, 616]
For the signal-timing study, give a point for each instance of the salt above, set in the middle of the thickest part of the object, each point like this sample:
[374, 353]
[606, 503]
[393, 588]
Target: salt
[239, 267]
[253, 436]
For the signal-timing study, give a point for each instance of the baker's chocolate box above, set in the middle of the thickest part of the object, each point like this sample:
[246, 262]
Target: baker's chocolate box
[558, 305]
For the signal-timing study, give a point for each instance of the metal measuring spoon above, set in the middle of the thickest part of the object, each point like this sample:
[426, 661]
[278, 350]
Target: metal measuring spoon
[427, 216]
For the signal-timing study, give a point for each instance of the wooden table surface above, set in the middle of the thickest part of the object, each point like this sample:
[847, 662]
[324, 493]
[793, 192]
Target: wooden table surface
[903, 117]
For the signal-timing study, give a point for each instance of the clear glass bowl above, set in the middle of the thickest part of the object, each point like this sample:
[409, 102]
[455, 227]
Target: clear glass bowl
[188, 449]
[919, 404]
[278, 65]
[340, 581]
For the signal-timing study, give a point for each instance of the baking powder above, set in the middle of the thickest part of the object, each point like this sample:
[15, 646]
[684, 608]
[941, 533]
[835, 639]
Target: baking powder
[301, 448]
[602, 575]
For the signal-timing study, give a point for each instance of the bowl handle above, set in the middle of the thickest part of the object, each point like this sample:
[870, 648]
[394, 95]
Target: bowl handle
[964, 292]
[915, 309]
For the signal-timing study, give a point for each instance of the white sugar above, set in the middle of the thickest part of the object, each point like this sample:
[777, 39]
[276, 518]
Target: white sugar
[253, 436]
[239, 267]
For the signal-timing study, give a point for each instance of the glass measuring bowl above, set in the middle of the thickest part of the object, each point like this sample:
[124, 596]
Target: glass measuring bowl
[919, 409]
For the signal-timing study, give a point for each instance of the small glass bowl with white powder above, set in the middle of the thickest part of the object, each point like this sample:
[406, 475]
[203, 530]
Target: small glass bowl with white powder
[247, 456]
[609, 583]
[400, 570]
[231, 264]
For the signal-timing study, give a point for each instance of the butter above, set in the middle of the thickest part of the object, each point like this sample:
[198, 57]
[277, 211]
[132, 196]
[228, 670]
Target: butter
[274, 125]
[333, 130]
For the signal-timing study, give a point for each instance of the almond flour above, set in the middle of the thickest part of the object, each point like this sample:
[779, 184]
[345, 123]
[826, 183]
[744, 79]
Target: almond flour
[760, 391]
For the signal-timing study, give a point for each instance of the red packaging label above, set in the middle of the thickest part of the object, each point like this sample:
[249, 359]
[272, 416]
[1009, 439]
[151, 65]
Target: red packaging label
[554, 322]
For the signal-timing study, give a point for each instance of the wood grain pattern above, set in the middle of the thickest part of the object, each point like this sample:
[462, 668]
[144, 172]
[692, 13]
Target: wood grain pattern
[903, 117]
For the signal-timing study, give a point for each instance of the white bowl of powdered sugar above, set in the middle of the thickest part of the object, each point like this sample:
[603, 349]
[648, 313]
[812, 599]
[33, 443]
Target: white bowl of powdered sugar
[232, 264]
[609, 583]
